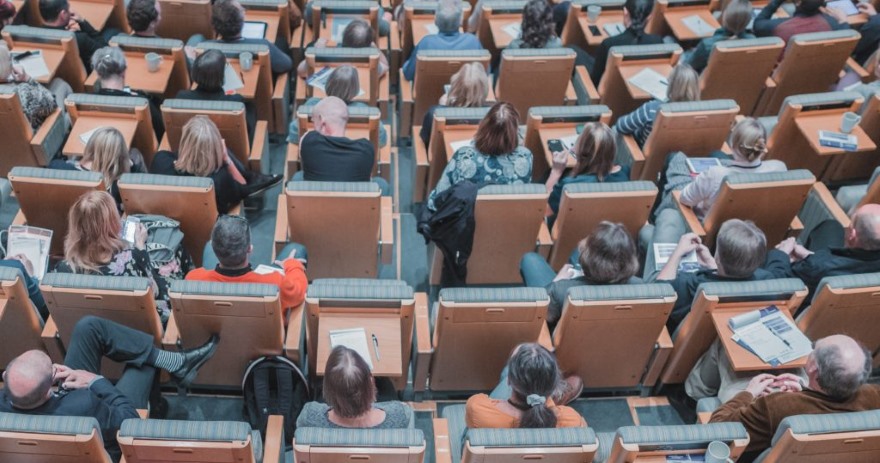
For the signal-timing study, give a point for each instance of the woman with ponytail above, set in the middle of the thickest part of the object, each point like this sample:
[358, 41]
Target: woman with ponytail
[635, 18]
[110, 65]
[527, 397]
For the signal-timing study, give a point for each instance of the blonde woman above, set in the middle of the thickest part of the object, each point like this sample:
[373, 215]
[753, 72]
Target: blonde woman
[203, 153]
[594, 150]
[106, 153]
[94, 246]
[748, 141]
[684, 85]
[468, 88]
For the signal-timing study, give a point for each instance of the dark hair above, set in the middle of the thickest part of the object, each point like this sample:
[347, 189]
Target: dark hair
[595, 150]
[533, 376]
[227, 18]
[736, 16]
[51, 9]
[537, 24]
[497, 133]
[141, 13]
[230, 240]
[357, 34]
[7, 10]
[609, 255]
[348, 384]
[809, 7]
[343, 83]
[638, 10]
[741, 248]
[833, 375]
[208, 70]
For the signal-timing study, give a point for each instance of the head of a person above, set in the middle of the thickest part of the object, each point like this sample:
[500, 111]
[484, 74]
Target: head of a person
[343, 83]
[330, 117]
[838, 366]
[736, 16]
[469, 87]
[28, 379]
[109, 63]
[609, 255]
[93, 231]
[636, 13]
[7, 13]
[108, 154]
[448, 16]
[537, 24]
[209, 70]
[144, 15]
[231, 241]
[201, 150]
[357, 34]
[684, 84]
[55, 12]
[533, 376]
[864, 229]
[349, 388]
[497, 132]
[740, 248]
[227, 17]
[809, 7]
[5, 63]
[595, 149]
[748, 140]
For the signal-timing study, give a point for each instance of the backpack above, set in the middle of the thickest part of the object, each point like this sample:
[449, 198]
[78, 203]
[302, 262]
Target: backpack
[274, 386]
[165, 246]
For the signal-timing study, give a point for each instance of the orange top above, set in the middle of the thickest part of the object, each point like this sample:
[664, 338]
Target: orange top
[483, 412]
[292, 284]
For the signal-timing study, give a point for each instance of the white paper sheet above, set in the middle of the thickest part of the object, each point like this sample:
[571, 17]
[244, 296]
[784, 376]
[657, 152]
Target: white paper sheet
[663, 251]
[338, 27]
[432, 28]
[86, 136]
[263, 269]
[613, 29]
[845, 6]
[651, 82]
[355, 339]
[698, 25]
[34, 243]
[513, 29]
[231, 80]
[34, 65]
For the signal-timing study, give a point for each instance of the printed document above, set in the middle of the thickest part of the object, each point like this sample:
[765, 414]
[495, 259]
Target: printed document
[355, 339]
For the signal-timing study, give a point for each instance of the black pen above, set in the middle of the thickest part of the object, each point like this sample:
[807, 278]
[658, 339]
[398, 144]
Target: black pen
[24, 55]
[376, 346]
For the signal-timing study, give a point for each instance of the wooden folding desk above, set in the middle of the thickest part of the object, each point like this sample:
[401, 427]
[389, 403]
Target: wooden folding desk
[740, 358]
[386, 328]
[810, 125]
[137, 77]
[628, 70]
[497, 24]
[51, 56]
[248, 78]
[550, 133]
[269, 17]
[453, 135]
[606, 17]
[682, 32]
[75, 146]
[420, 28]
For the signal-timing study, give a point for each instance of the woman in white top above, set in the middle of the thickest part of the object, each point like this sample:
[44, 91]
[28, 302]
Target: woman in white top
[749, 145]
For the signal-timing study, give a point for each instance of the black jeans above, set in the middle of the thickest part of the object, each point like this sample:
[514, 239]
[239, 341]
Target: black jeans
[94, 338]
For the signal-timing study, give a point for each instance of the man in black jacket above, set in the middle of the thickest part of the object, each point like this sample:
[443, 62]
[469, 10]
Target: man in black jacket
[822, 257]
[57, 15]
[29, 378]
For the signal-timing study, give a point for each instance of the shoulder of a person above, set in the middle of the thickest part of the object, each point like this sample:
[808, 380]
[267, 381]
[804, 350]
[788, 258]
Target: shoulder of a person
[522, 151]
[479, 400]
[567, 417]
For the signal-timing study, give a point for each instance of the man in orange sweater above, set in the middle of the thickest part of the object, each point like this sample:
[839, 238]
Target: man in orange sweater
[231, 244]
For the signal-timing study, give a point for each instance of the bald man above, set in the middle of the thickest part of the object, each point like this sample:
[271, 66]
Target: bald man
[327, 155]
[837, 370]
[28, 379]
[823, 256]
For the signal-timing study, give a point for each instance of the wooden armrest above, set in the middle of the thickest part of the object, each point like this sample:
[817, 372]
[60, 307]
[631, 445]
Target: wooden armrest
[259, 146]
[386, 229]
[281, 224]
[704, 417]
[638, 157]
[424, 349]
[690, 217]
[406, 90]
[571, 96]
[442, 450]
[544, 338]
[420, 181]
[280, 103]
[584, 76]
[52, 342]
[143, 413]
[385, 153]
[822, 194]
[291, 164]
[545, 241]
[662, 351]
[796, 227]
[857, 68]
[40, 137]
[273, 446]
[293, 338]
[407, 106]
[171, 336]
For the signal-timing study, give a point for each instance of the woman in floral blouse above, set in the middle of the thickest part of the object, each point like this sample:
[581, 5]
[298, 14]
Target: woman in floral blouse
[495, 156]
[94, 245]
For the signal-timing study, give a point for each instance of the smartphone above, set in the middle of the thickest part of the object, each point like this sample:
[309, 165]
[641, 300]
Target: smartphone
[555, 145]
[594, 30]
[130, 228]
